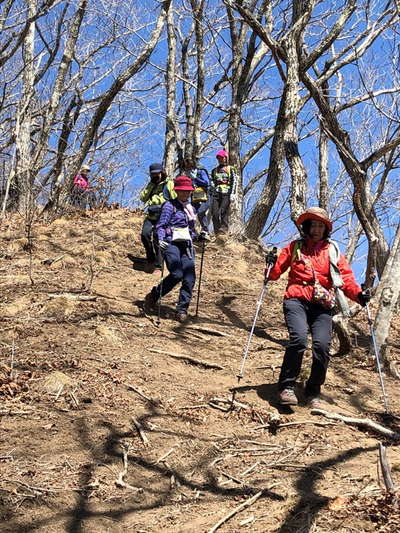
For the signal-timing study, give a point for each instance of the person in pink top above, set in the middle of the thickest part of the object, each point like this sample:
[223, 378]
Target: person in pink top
[81, 188]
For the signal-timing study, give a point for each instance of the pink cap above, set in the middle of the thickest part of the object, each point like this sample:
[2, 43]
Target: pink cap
[222, 153]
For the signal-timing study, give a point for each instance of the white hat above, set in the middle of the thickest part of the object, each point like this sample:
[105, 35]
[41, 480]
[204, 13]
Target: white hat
[85, 167]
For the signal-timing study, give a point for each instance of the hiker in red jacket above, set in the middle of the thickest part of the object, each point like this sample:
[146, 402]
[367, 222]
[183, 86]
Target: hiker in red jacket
[308, 302]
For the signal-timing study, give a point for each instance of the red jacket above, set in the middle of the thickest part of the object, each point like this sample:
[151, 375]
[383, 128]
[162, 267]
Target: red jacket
[314, 255]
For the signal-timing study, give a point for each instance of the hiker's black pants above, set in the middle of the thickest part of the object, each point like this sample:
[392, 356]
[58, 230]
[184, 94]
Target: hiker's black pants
[79, 197]
[301, 316]
[150, 242]
[220, 211]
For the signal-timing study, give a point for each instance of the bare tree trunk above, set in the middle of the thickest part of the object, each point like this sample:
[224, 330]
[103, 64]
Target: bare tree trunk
[170, 126]
[23, 132]
[388, 294]
[10, 177]
[107, 98]
[323, 169]
[264, 204]
[57, 92]
[362, 200]
[352, 243]
[238, 91]
[198, 9]
[189, 133]
[357, 170]
[297, 170]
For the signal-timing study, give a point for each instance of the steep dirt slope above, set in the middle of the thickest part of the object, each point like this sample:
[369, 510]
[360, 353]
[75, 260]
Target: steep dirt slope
[83, 369]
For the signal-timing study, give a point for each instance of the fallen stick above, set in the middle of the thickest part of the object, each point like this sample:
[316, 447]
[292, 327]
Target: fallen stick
[235, 511]
[209, 330]
[216, 406]
[72, 394]
[51, 260]
[248, 470]
[385, 467]
[199, 406]
[120, 480]
[263, 443]
[36, 490]
[10, 412]
[163, 457]
[141, 432]
[315, 422]
[229, 402]
[143, 395]
[235, 479]
[71, 296]
[363, 422]
[59, 392]
[188, 358]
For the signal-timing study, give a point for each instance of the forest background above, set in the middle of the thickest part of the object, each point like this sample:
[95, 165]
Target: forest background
[304, 95]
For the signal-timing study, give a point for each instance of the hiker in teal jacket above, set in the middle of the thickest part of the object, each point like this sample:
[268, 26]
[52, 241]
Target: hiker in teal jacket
[158, 191]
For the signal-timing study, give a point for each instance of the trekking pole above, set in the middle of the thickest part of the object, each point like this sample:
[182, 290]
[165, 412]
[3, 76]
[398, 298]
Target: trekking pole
[200, 276]
[161, 287]
[260, 300]
[377, 359]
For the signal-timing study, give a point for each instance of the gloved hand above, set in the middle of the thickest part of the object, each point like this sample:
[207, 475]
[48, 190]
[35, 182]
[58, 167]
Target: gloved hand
[202, 236]
[163, 245]
[364, 297]
[271, 257]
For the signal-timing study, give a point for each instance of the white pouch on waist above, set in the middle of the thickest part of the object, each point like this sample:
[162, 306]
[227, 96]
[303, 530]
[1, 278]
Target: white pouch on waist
[181, 234]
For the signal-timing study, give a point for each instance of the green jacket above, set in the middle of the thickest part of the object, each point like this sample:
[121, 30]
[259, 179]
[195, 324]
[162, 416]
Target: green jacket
[156, 195]
[223, 179]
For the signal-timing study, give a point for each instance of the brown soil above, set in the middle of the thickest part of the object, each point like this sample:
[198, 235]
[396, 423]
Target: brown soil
[75, 342]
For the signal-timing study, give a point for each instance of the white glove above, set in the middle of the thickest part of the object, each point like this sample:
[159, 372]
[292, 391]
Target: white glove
[163, 245]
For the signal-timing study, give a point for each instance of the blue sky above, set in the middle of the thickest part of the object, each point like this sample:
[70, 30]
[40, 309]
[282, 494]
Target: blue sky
[134, 128]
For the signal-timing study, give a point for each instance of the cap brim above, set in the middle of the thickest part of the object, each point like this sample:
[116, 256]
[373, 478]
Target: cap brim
[311, 216]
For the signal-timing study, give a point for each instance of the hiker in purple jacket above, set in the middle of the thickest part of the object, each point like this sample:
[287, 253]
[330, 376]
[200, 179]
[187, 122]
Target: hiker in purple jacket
[175, 232]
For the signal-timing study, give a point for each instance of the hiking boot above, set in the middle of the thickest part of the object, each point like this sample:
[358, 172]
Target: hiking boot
[288, 397]
[149, 267]
[316, 402]
[150, 302]
[181, 316]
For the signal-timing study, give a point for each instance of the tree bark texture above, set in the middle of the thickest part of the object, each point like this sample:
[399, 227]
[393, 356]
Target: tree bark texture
[298, 192]
[23, 181]
[263, 206]
[198, 9]
[170, 149]
[388, 294]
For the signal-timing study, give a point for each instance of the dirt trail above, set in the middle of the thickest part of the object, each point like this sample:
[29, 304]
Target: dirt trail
[88, 372]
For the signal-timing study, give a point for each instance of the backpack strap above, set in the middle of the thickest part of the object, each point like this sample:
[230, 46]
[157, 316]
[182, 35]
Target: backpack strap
[166, 192]
[334, 256]
[296, 253]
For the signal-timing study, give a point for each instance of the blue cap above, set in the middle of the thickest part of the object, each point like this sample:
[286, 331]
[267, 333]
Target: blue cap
[155, 168]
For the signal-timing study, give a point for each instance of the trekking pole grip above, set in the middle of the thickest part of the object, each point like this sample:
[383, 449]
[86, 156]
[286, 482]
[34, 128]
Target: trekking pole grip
[270, 260]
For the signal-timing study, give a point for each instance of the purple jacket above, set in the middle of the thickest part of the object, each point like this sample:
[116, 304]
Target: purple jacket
[173, 216]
